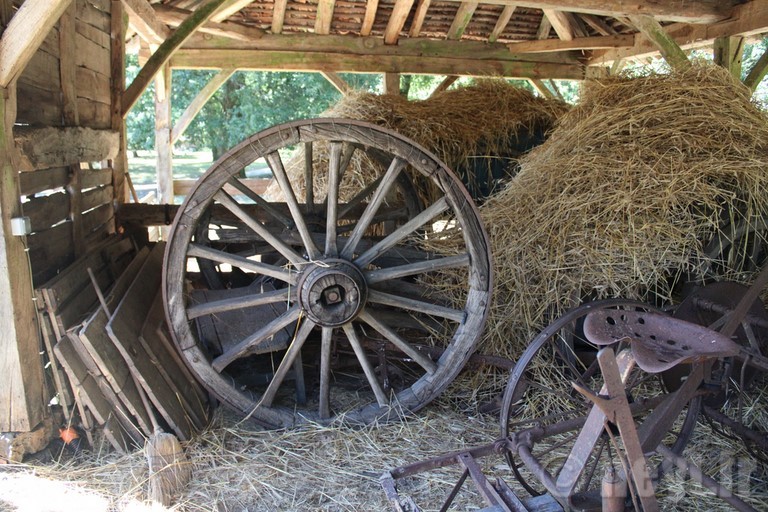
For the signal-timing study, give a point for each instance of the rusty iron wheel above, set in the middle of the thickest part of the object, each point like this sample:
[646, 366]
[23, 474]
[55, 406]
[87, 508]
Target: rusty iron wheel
[540, 395]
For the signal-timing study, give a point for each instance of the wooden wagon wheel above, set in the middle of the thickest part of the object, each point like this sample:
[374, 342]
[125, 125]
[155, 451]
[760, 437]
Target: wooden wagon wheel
[360, 318]
[540, 395]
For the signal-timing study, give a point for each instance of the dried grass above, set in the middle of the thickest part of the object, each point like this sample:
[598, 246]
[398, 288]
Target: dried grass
[621, 197]
[459, 125]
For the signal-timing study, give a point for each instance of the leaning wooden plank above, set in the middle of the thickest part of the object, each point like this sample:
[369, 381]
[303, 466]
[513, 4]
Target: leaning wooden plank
[126, 420]
[169, 364]
[87, 392]
[123, 328]
[107, 356]
[63, 393]
[70, 297]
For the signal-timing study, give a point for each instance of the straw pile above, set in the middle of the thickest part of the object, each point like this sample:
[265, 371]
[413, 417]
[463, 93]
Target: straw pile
[459, 125]
[330, 468]
[619, 199]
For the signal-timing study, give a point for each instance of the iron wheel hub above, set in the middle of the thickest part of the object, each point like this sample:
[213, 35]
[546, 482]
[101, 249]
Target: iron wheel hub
[332, 292]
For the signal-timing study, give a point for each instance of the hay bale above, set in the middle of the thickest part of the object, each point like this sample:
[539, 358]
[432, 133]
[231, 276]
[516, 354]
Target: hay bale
[467, 128]
[619, 199]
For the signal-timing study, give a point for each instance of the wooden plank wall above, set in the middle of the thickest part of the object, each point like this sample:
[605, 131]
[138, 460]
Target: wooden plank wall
[67, 83]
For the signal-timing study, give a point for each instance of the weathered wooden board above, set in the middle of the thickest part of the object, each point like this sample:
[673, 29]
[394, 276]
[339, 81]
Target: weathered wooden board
[91, 55]
[94, 114]
[42, 72]
[70, 296]
[97, 217]
[97, 197]
[92, 33]
[107, 356]
[88, 12]
[37, 106]
[123, 328]
[40, 181]
[45, 211]
[87, 391]
[90, 178]
[63, 390]
[50, 251]
[168, 362]
[92, 85]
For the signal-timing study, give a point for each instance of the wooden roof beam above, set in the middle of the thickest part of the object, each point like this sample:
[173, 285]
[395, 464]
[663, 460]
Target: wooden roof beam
[598, 25]
[501, 23]
[462, 19]
[371, 7]
[397, 20]
[324, 16]
[174, 17]
[25, 33]
[166, 50]
[703, 11]
[668, 47]
[580, 43]
[142, 18]
[382, 63]
[747, 19]
[198, 102]
[566, 24]
[230, 8]
[418, 17]
[278, 16]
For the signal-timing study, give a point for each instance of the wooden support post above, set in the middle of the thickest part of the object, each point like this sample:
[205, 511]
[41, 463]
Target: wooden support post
[117, 70]
[391, 83]
[199, 101]
[757, 73]
[668, 47]
[728, 52]
[339, 83]
[22, 400]
[163, 136]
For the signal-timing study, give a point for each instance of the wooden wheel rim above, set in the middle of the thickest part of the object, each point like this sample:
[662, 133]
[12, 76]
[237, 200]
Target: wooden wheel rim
[474, 311]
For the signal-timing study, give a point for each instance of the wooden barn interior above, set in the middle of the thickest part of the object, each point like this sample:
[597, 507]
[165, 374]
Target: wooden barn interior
[66, 196]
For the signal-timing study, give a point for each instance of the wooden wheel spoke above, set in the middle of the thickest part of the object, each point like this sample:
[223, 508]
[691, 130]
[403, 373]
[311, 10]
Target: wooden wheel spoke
[252, 341]
[290, 356]
[263, 203]
[276, 165]
[379, 195]
[231, 205]
[201, 251]
[324, 408]
[370, 374]
[400, 233]
[385, 274]
[231, 304]
[388, 299]
[332, 199]
[309, 177]
[423, 360]
[359, 198]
